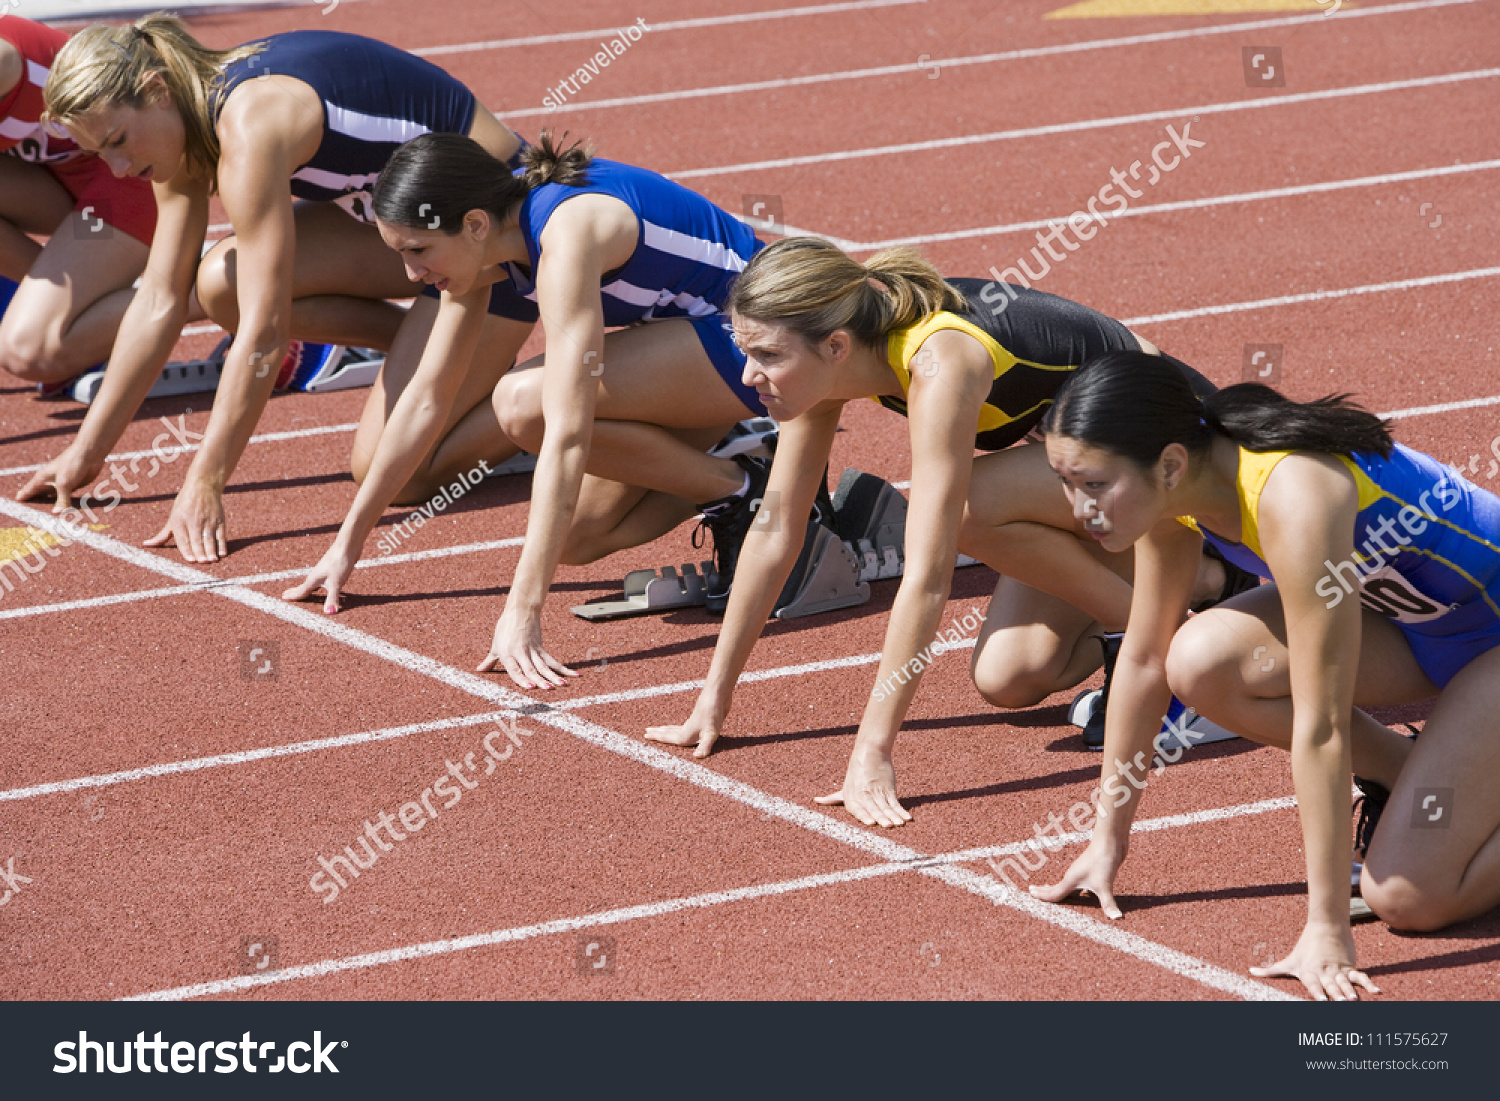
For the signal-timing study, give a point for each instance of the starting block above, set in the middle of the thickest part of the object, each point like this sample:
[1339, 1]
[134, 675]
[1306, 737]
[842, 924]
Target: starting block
[321, 368]
[866, 543]
[650, 591]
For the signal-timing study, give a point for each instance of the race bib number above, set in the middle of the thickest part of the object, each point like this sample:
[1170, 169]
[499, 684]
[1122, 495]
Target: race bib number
[1393, 596]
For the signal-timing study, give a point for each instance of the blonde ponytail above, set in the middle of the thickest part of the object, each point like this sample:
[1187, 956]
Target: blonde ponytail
[813, 288]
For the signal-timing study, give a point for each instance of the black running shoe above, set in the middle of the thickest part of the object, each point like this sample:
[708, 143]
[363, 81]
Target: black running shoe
[1093, 730]
[1370, 804]
[729, 523]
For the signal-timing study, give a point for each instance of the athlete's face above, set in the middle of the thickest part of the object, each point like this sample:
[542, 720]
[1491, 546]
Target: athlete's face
[1114, 499]
[790, 375]
[147, 141]
[448, 261]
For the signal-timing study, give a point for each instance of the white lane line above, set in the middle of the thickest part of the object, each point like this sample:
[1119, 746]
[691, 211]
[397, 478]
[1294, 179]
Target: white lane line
[1446, 407]
[1190, 204]
[1178, 114]
[269, 437]
[240, 757]
[429, 949]
[638, 750]
[851, 662]
[961, 62]
[258, 578]
[666, 25]
[1314, 296]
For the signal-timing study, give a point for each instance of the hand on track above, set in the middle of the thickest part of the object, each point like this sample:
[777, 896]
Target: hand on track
[1324, 961]
[869, 791]
[330, 574]
[65, 476]
[196, 525]
[702, 732]
[1092, 873]
[517, 647]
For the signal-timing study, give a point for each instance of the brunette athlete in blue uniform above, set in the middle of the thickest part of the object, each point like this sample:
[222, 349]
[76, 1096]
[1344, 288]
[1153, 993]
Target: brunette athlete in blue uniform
[309, 115]
[584, 244]
[1386, 571]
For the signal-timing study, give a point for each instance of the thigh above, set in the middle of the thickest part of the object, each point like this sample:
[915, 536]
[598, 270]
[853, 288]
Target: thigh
[1030, 636]
[1017, 485]
[73, 272]
[31, 198]
[336, 254]
[500, 339]
[1248, 633]
[1445, 806]
[659, 373]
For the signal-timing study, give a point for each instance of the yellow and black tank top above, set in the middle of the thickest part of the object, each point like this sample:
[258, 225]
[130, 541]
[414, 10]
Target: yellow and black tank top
[1036, 340]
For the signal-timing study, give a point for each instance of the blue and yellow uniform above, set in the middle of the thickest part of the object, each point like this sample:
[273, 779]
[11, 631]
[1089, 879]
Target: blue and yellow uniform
[1426, 552]
[1036, 341]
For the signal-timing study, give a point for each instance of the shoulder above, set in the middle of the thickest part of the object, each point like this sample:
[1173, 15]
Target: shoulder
[273, 112]
[1307, 488]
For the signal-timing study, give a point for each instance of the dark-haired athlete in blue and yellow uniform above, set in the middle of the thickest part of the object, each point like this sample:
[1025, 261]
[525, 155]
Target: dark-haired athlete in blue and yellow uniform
[1318, 498]
[819, 330]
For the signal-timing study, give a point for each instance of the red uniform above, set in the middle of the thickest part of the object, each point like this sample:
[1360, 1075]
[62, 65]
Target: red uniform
[126, 204]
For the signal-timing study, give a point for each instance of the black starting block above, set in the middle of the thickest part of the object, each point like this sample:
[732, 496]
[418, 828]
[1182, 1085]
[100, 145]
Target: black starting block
[867, 543]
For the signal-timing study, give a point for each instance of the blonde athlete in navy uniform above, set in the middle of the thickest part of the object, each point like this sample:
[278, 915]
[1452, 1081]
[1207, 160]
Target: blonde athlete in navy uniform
[1386, 571]
[584, 244]
[820, 329]
[307, 115]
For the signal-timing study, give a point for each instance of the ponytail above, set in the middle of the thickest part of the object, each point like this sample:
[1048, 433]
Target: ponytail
[103, 66]
[1134, 404]
[813, 289]
[432, 181]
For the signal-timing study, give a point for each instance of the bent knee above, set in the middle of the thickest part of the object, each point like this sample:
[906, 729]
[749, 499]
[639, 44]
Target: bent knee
[518, 408]
[215, 287]
[31, 355]
[1406, 904]
[1196, 665]
[1012, 689]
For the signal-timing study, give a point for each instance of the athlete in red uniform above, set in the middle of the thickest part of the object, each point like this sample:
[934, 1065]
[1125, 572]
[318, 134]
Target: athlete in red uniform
[73, 290]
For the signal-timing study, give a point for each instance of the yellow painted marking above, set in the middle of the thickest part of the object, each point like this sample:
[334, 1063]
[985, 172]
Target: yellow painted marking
[24, 542]
[1101, 9]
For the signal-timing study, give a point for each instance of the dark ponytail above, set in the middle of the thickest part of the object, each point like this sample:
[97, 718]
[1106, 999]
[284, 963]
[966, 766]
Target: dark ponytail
[432, 181]
[1134, 404]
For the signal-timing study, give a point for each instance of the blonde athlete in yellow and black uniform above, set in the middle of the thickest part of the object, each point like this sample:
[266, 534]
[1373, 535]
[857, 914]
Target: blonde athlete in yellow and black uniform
[820, 329]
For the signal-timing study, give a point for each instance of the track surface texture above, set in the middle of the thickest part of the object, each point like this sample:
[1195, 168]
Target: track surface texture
[168, 804]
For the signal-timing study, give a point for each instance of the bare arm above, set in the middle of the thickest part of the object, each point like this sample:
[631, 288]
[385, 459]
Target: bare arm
[766, 559]
[411, 431]
[264, 133]
[148, 332]
[1166, 565]
[585, 237]
[1323, 649]
[944, 402]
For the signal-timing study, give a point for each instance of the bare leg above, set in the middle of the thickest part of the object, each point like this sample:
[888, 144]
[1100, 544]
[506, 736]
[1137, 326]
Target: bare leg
[1231, 665]
[1418, 876]
[472, 431]
[343, 274]
[73, 291]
